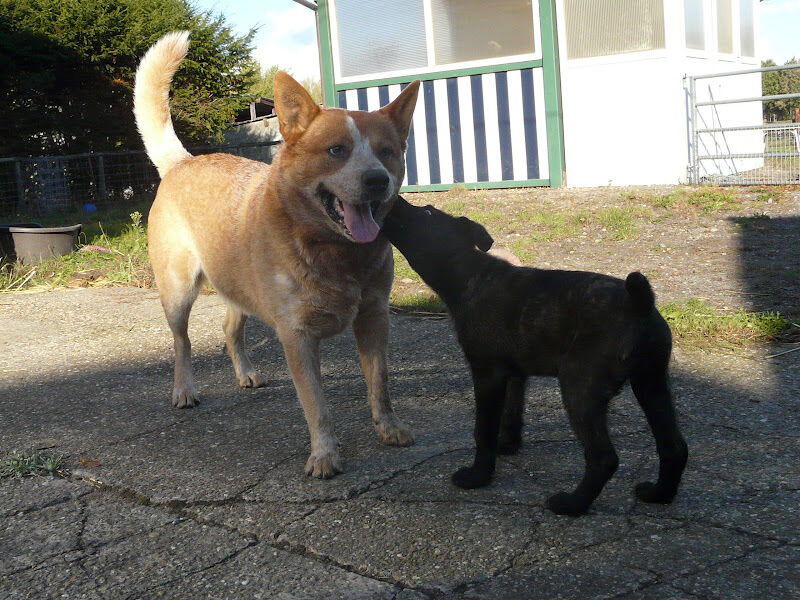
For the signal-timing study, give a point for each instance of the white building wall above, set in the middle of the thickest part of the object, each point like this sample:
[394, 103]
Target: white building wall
[626, 116]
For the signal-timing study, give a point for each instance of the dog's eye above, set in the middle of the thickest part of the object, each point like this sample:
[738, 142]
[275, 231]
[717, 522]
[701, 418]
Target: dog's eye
[385, 153]
[427, 212]
[338, 151]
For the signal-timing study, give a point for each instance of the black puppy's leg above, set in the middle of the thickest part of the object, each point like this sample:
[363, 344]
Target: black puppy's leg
[510, 439]
[490, 386]
[651, 387]
[587, 406]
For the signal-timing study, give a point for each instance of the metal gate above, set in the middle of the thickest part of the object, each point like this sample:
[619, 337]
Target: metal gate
[730, 142]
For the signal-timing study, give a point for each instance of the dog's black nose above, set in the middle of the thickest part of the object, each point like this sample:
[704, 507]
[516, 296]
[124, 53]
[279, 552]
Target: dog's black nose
[375, 180]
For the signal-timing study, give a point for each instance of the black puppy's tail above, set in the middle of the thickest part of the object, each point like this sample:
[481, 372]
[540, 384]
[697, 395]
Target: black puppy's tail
[640, 292]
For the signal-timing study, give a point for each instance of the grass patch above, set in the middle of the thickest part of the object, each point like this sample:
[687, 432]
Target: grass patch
[550, 225]
[402, 270]
[707, 199]
[618, 221]
[425, 302]
[524, 251]
[698, 322]
[754, 221]
[22, 464]
[112, 251]
[769, 193]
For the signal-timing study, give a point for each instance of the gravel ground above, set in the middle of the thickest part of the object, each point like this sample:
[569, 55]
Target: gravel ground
[212, 503]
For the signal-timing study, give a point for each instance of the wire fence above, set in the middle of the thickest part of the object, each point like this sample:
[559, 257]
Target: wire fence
[49, 185]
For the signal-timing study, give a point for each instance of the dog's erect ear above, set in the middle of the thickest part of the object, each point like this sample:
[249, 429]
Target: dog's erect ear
[480, 237]
[401, 109]
[295, 107]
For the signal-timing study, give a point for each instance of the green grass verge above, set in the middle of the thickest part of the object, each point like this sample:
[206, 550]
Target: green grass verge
[27, 464]
[707, 198]
[700, 323]
[424, 302]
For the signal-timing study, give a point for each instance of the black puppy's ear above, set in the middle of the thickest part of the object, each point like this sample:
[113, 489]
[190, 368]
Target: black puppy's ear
[480, 237]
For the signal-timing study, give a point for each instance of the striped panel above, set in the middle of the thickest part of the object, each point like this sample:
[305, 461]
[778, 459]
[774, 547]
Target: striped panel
[476, 128]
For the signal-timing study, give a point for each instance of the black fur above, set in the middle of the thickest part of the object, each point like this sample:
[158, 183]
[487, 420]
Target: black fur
[592, 331]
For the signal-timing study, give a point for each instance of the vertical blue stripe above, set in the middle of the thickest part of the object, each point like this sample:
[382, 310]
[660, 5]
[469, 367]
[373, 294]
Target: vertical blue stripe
[456, 150]
[480, 128]
[362, 99]
[504, 126]
[383, 95]
[342, 100]
[529, 117]
[411, 153]
[430, 129]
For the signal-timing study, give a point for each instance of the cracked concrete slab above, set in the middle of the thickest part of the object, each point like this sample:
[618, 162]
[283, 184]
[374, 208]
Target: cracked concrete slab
[212, 502]
[419, 544]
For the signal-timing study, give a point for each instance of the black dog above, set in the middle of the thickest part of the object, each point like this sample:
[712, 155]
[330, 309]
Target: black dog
[592, 331]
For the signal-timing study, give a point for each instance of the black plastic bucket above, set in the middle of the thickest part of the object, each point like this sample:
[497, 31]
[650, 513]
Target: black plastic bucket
[7, 242]
[34, 244]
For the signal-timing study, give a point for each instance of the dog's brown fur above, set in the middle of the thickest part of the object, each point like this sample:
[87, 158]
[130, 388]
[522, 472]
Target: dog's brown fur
[261, 236]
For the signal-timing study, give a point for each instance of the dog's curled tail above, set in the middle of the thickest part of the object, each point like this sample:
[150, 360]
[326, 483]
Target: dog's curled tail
[151, 100]
[640, 292]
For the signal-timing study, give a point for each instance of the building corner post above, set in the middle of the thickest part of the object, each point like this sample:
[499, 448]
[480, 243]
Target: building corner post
[552, 93]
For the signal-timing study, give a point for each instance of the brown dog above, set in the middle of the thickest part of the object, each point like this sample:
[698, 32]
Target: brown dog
[295, 243]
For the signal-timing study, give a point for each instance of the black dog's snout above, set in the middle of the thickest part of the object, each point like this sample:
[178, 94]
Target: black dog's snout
[375, 180]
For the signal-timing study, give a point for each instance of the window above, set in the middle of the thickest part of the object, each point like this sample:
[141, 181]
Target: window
[725, 26]
[695, 24]
[613, 26]
[746, 27]
[373, 37]
[384, 38]
[466, 30]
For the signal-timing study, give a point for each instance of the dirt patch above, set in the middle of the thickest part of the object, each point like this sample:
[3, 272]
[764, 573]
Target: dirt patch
[734, 248]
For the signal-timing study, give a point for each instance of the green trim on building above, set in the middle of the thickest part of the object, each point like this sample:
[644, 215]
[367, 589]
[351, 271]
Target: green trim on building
[481, 185]
[552, 93]
[329, 94]
[526, 64]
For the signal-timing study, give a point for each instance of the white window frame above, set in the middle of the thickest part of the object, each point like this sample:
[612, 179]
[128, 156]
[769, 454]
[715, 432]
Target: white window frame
[708, 38]
[431, 67]
[715, 53]
[738, 44]
[605, 59]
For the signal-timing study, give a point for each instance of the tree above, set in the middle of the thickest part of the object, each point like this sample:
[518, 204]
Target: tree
[774, 83]
[265, 84]
[67, 72]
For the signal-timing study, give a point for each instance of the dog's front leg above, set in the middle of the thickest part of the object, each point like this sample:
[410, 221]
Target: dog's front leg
[302, 356]
[490, 389]
[371, 328]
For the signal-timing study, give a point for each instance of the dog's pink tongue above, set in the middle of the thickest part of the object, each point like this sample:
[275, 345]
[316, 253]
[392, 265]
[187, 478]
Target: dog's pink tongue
[359, 221]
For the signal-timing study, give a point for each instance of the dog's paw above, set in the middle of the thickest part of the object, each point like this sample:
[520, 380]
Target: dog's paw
[324, 466]
[185, 398]
[470, 478]
[647, 491]
[394, 433]
[564, 503]
[251, 379]
[508, 444]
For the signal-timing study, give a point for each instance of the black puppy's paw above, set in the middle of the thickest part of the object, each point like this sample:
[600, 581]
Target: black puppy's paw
[507, 444]
[647, 491]
[470, 478]
[564, 503]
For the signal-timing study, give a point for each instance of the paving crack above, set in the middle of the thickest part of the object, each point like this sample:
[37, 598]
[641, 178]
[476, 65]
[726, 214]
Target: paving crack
[139, 593]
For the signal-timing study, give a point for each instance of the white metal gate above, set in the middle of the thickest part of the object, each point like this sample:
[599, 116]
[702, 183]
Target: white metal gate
[731, 144]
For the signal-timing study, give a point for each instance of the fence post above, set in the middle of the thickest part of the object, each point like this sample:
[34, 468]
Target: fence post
[20, 186]
[101, 178]
[695, 137]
